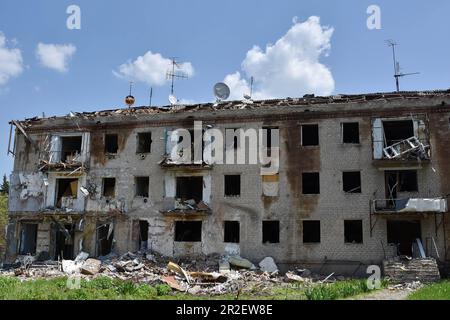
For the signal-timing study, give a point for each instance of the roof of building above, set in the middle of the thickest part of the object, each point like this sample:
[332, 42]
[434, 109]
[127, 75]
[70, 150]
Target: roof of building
[306, 100]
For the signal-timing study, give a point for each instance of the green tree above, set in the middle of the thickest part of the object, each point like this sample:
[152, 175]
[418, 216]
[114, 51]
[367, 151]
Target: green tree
[3, 220]
[4, 187]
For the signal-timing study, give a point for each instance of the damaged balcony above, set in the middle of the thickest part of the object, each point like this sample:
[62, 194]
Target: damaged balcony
[168, 163]
[400, 142]
[409, 205]
[65, 152]
[189, 198]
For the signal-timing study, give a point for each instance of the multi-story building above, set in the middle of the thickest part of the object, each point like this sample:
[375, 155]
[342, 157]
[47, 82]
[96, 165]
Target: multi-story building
[360, 178]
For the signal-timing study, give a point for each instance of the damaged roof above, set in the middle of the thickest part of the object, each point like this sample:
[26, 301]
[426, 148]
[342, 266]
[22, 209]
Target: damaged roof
[316, 103]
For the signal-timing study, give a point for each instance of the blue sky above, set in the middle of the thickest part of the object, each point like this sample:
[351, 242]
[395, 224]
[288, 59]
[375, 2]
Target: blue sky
[214, 37]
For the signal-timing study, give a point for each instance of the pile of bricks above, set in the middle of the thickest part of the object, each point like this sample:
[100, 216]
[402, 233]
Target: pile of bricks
[401, 271]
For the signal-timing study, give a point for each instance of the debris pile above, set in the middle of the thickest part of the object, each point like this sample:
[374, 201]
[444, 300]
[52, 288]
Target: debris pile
[403, 271]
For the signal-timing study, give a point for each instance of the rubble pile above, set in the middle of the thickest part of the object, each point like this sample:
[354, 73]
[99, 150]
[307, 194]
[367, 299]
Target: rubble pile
[210, 275]
[411, 270]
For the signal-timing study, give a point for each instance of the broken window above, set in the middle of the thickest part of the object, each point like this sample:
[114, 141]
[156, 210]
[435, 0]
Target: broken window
[396, 131]
[189, 188]
[28, 238]
[350, 132]
[353, 231]
[310, 135]
[351, 182]
[105, 236]
[311, 231]
[232, 185]
[311, 183]
[271, 232]
[188, 231]
[70, 148]
[400, 181]
[144, 142]
[143, 234]
[66, 191]
[231, 231]
[109, 187]
[111, 143]
[142, 186]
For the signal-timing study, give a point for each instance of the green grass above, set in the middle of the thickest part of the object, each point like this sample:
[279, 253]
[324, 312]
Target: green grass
[435, 291]
[103, 288]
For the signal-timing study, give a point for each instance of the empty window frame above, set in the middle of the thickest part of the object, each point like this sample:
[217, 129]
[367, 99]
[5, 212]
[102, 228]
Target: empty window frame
[188, 231]
[144, 142]
[353, 231]
[70, 148]
[189, 188]
[105, 236]
[310, 134]
[268, 139]
[65, 188]
[310, 183]
[232, 185]
[271, 231]
[401, 181]
[109, 187]
[350, 132]
[396, 131]
[142, 186]
[231, 231]
[311, 231]
[28, 238]
[111, 143]
[351, 182]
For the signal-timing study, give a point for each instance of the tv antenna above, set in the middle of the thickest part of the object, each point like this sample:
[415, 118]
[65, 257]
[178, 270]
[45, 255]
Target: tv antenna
[249, 96]
[129, 100]
[397, 73]
[173, 74]
[151, 96]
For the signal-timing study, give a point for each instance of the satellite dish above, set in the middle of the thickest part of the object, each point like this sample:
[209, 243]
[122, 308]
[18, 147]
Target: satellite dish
[221, 91]
[172, 99]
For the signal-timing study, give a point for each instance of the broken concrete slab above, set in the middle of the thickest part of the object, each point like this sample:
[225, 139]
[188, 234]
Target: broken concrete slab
[82, 256]
[240, 262]
[70, 267]
[268, 265]
[224, 267]
[91, 267]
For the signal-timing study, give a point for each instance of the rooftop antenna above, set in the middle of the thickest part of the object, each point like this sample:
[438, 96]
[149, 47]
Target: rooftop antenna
[249, 96]
[151, 96]
[172, 74]
[397, 72]
[129, 100]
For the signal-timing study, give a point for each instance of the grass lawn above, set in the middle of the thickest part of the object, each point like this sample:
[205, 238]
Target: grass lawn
[104, 288]
[435, 291]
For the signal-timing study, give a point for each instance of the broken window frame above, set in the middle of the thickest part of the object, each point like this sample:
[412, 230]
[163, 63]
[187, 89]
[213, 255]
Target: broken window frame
[178, 188]
[145, 146]
[316, 175]
[116, 142]
[21, 247]
[109, 240]
[197, 226]
[57, 190]
[269, 238]
[352, 189]
[104, 181]
[349, 238]
[310, 236]
[147, 182]
[239, 187]
[302, 135]
[357, 139]
[231, 231]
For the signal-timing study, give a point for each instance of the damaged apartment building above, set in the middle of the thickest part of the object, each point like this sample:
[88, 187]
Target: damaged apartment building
[361, 178]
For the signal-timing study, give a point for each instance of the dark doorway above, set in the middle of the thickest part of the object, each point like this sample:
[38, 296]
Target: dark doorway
[66, 188]
[403, 233]
[105, 236]
[143, 234]
[28, 238]
[188, 231]
[64, 240]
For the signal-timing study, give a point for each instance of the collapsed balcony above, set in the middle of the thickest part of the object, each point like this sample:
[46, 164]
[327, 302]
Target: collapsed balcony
[65, 153]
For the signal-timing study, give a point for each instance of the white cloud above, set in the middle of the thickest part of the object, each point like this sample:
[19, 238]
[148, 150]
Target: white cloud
[11, 62]
[151, 68]
[55, 56]
[290, 67]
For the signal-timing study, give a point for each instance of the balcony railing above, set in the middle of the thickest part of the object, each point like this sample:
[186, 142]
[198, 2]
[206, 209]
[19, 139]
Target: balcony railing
[410, 205]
